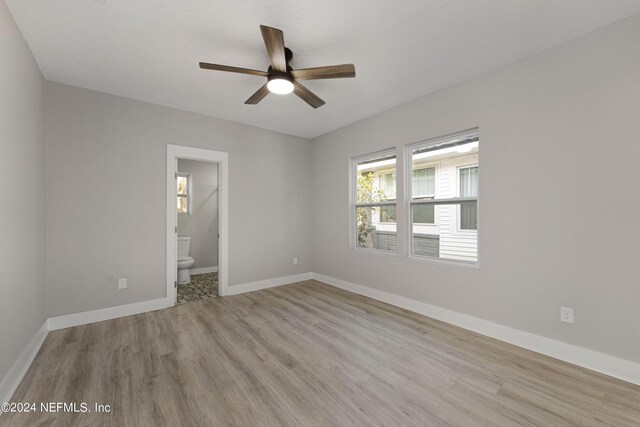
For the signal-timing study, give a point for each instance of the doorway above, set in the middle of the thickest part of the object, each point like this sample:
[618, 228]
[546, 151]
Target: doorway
[197, 227]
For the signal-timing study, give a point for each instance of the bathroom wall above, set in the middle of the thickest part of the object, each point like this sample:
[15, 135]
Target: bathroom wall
[22, 205]
[559, 198]
[202, 223]
[106, 197]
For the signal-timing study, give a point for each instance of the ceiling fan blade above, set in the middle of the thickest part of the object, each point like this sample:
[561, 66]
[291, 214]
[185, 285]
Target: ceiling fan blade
[258, 96]
[307, 96]
[274, 42]
[328, 72]
[218, 67]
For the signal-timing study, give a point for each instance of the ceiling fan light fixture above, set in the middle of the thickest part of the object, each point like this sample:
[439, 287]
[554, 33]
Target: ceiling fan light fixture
[280, 84]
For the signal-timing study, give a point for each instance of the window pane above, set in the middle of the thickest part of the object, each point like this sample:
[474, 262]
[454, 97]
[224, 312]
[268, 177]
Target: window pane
[451, 154]
[423, 214]
[445, 168]
[387, 214]
[371, 233]
[376, 179]
[440, 240]
[182, 185]
[469, 216]
[464, 182]
[469, 188]
[424, 182]
[182, 204]
[469, 182]
[473, 187]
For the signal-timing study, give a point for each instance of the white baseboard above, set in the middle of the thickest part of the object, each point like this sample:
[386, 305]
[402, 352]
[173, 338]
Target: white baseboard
[268, 283]
[11, 381]
[76, 319]
[203, 270]
[625, 370]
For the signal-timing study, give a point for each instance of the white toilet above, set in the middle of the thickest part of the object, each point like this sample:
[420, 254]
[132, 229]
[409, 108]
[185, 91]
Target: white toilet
[185, 262]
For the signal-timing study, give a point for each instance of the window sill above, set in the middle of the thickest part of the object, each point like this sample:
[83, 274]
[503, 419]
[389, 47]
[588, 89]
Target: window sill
[451, 263]
[375, 252]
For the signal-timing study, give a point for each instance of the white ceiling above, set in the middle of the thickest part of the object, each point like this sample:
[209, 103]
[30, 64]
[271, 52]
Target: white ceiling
[149, 49]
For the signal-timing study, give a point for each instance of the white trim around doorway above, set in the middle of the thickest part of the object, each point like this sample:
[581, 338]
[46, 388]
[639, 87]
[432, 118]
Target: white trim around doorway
[175, 152]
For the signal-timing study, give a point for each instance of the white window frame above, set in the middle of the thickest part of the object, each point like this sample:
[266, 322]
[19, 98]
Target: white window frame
[353, 197]
[409, 202]
[188, 193]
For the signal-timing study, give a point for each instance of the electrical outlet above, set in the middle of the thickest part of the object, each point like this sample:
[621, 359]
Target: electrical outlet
[122, 283]
[295, 260]
[566, 314]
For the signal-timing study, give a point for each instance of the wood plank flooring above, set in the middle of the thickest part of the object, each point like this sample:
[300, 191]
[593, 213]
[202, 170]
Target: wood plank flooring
[308, 354]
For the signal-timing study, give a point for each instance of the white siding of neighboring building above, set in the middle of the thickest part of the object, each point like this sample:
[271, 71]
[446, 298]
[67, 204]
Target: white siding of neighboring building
[454, 243]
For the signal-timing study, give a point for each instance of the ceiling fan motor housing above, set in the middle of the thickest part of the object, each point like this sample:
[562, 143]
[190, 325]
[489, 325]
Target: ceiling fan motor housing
[288, 55]
[273, 74]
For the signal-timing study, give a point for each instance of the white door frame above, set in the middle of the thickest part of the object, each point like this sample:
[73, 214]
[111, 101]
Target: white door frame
[175, 152]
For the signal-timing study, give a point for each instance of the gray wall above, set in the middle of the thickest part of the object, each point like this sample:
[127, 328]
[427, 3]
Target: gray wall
[106, 195]
[22, 209]
[202, 224]
[560, 199]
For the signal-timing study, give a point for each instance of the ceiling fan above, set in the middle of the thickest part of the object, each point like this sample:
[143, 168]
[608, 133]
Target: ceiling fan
[281, 78]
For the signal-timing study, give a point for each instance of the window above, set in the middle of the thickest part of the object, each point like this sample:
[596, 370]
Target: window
[184, 193]
[424, 214]
[374, 206]
[468, 188]
[423, 184]
[450, 195]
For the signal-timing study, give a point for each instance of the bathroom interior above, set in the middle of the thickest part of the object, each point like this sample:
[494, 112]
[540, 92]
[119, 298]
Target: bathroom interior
[197, 210]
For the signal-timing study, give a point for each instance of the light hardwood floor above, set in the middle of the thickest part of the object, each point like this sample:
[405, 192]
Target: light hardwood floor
[308, 354]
